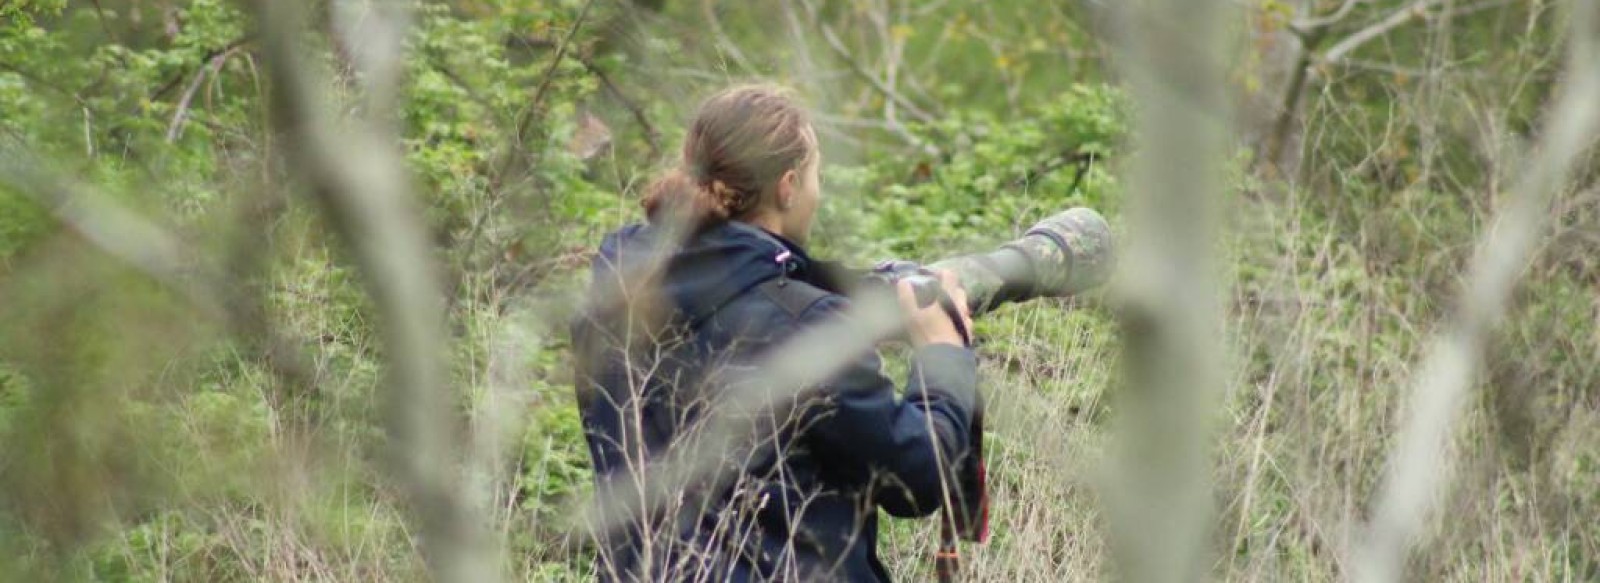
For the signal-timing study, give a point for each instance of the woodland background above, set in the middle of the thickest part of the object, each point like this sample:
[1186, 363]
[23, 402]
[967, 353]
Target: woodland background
[195, 324]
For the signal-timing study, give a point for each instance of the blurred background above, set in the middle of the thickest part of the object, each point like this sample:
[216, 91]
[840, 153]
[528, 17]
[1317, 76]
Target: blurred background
[192, 363]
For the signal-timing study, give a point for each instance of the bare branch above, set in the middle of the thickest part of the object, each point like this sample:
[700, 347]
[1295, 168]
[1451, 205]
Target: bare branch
[1416, 11]
[1398, 18]
[1305, 26]
[1418, 464]
[211, 67]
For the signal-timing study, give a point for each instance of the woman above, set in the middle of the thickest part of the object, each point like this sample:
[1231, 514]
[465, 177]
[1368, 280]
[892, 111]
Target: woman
[715, 282]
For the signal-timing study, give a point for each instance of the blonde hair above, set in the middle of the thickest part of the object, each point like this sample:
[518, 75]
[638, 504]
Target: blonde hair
[741, 143]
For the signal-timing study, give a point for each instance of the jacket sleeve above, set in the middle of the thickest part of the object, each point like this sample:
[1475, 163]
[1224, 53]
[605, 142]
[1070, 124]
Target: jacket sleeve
[906, 447]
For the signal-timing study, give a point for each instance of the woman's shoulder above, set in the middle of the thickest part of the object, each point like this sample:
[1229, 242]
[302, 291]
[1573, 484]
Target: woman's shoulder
[798, 298]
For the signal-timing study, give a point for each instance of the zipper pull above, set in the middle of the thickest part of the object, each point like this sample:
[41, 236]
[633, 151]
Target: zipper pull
[784, 261]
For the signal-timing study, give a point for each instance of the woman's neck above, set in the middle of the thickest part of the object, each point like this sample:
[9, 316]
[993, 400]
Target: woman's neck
[769, 222]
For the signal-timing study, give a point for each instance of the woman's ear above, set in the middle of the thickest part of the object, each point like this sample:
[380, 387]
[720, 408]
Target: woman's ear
[786, 189]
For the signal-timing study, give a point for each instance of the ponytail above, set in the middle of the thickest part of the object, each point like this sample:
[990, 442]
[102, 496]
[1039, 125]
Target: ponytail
[677, 198]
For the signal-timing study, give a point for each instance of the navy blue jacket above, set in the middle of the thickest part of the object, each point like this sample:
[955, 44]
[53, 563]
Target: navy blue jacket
[803, 503]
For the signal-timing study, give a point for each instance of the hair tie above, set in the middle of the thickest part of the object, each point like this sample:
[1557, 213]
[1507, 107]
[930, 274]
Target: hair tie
[729, 199]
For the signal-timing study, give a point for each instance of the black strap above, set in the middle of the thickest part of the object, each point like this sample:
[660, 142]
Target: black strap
[794, 296]
[709, 306]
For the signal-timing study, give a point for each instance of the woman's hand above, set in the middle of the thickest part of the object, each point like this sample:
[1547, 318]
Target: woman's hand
[931, 324]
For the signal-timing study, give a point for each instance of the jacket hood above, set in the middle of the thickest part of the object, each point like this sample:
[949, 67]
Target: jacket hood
[705, 273]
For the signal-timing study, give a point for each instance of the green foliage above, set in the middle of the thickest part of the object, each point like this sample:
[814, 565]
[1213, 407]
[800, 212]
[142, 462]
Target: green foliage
[555, 465]
[21, 224]
[20, 14]
[999, 177]
[181, 450]
[14, 392]
[159, 547]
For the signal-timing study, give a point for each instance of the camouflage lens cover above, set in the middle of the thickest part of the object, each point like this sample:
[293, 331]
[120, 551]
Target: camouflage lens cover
[1071, 252]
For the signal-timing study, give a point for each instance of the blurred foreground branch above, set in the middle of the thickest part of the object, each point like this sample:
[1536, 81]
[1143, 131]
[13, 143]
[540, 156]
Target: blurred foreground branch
[357, 173]
[1160, 506]
[113, 228]
[1415, 476]
[161, 255]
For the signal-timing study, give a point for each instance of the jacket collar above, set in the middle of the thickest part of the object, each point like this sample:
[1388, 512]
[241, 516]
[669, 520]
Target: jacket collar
[709, 270]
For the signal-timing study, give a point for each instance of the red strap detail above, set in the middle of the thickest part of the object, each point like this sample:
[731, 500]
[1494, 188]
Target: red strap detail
[947, 562]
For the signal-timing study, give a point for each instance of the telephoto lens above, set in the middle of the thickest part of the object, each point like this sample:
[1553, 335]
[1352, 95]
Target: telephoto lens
[1063, 255]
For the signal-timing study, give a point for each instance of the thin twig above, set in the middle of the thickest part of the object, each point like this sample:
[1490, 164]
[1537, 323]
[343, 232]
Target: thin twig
[724, 44]
[526, 119]
[1081, 160]
[804, 360]
[635, 108]
[524, 122]
[843, 52]
[652, 137]
[100, 14]
[438, 64]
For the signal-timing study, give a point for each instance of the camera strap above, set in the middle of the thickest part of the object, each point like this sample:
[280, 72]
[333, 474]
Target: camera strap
[948, 304]
[967, 517]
